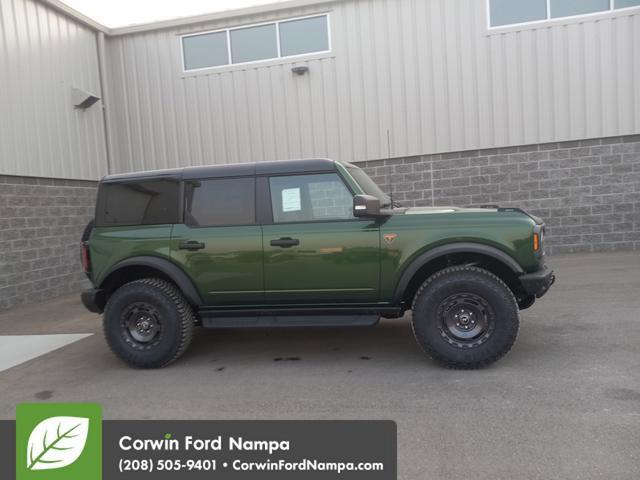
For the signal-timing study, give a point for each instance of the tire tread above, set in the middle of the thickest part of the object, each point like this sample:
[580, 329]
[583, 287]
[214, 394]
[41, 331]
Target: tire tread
[186, 319]
[464, 365]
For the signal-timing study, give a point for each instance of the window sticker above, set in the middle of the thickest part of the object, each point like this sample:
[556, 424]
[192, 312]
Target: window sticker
[291, 200]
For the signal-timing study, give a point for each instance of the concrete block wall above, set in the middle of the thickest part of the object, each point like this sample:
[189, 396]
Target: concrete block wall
[41, 222]
[587, 191]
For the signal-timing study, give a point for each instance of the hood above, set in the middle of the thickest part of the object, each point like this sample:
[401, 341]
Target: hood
[433, 210]
[427, 210]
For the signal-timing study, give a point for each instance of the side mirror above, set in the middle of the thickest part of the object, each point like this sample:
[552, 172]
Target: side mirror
[366, 206]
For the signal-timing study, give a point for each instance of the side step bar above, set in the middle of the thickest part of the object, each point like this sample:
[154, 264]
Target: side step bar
[291, 321]
[303, 317]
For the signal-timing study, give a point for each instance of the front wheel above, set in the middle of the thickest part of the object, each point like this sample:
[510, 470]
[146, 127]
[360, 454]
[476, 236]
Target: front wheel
[148, 323]
[465, 317]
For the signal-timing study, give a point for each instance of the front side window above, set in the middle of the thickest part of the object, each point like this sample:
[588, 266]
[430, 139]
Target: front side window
[220, 202]
[513, 12]
[310, 198]
[254, 43]
[368, 186]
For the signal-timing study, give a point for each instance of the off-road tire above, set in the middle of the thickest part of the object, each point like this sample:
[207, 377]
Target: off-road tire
[438, 300]
[174, 315]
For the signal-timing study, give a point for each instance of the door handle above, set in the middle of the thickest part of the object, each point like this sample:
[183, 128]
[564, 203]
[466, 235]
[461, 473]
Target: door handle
[191, 245]
[285, 242]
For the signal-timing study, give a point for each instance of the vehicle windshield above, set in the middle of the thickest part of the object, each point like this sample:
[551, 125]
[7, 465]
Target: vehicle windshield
[369, 186]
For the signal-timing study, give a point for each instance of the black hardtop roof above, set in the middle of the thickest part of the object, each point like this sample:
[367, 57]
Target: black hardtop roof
[231, 170]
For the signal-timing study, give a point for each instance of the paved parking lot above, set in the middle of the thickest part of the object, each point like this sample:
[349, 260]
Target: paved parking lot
[565, 403]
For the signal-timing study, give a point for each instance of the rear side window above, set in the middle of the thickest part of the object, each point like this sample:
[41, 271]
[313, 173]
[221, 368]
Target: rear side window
[220, 202]
[138, 203]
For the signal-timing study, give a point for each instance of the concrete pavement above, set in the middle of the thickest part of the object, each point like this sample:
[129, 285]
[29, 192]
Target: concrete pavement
[564, 403]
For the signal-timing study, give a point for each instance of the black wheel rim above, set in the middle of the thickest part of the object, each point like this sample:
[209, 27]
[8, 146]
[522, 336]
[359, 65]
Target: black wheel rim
[141, 326]
[465, 320]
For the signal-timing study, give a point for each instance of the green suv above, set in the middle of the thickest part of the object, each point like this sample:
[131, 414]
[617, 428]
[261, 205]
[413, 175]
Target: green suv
[303, 243]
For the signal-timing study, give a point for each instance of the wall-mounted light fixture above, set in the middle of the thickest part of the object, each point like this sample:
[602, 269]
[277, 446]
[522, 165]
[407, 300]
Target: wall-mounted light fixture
[300, 70]
[82, 99]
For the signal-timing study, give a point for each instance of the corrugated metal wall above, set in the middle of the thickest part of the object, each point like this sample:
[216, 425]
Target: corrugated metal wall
[43, 54]
[425, 69]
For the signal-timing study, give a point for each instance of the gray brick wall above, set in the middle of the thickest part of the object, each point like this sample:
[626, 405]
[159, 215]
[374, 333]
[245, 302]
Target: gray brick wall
[587, 191]
[41, 221]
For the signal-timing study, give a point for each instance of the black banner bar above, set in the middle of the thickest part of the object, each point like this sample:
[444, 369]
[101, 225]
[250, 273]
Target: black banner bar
[238, 450]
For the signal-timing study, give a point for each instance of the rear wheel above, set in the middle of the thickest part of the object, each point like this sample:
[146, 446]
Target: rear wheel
[465, 317]
[148, 323]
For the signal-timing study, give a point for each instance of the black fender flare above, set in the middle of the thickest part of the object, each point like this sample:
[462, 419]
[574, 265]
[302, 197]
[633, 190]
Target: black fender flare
[459, 247]
[170, 269]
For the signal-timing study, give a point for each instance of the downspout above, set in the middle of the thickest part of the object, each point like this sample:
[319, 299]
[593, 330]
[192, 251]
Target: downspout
[102, 72]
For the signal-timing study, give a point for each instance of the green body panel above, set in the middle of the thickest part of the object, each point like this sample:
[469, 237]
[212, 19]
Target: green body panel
[510, 232]
[228, 271]
[110, 245]
[336, 262]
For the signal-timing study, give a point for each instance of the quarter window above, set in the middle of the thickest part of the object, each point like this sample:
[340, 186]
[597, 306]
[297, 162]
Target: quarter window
[138, 203]
[513, 12]
[253, 43]
[310, 198]
[220, 202]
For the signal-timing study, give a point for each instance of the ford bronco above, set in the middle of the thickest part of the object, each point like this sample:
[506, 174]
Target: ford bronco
[303, 243]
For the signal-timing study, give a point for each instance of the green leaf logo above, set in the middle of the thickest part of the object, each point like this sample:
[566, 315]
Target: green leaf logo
[57, 442]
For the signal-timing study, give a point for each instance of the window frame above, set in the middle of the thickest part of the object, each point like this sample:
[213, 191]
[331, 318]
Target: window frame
[612, 12]
[228, 31]
[185, 207]
[267, 210]
[182, 54]
[249, 27]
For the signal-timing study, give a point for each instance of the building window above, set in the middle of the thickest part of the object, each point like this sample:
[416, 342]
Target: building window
[203, 51]
[507, 12]
[627, 3]
[515, 12]
[568, 8]
[305, 35]
[255, 43]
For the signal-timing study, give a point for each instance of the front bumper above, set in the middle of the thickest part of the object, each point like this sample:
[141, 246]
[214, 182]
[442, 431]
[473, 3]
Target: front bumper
[538, 283]
[94, 299]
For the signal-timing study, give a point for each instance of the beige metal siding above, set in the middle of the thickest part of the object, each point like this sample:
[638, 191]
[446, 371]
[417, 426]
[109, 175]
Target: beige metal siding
[428, 70]
[43, 54]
